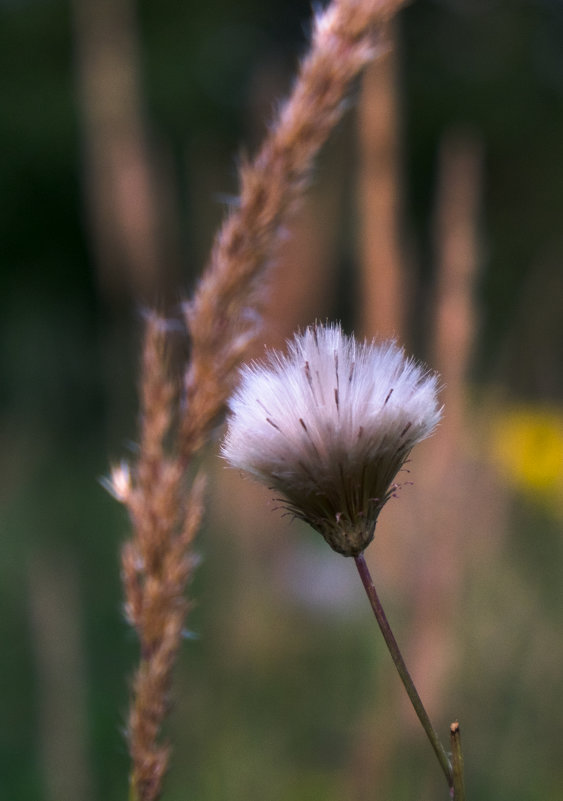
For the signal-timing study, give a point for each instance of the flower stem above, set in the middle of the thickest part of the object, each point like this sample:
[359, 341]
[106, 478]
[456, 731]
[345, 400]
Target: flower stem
[396, 655]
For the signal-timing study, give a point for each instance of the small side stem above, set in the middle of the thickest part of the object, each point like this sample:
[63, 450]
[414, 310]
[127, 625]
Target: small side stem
[457, 763]
[399, 662]
[132, 791]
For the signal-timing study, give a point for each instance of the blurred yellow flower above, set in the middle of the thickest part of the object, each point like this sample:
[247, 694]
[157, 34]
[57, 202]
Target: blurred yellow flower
[528, 447]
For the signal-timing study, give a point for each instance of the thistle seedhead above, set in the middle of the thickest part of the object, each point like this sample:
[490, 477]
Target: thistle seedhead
[329, 425]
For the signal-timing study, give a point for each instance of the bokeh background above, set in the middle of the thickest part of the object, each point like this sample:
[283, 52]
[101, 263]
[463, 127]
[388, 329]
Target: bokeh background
[434, 216]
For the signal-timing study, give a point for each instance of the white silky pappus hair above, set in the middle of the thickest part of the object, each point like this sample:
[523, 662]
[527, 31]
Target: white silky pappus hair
[328, 425]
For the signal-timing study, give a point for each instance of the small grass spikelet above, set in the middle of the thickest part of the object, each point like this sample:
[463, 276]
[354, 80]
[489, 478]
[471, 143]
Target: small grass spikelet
[329, 425]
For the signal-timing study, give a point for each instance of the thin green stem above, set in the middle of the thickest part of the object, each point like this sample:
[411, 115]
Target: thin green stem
[397, 657]
[457, 763]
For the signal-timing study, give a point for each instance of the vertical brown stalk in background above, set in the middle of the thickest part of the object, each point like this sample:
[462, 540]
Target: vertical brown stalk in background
[456, 247]
[122, 194]
[222, 321]
[449, 464]
[382, 281]
[383, 297]
[57, 623]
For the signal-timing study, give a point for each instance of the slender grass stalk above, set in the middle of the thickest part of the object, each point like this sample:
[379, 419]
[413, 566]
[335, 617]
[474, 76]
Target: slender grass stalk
[408, 683]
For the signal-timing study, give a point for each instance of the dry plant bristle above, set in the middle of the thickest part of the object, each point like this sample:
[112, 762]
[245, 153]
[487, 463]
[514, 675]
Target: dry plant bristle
[222, 319]
[156, 562]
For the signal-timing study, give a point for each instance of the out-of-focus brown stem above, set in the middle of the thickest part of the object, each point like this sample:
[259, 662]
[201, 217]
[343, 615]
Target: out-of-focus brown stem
[122, 193]
[383, 295]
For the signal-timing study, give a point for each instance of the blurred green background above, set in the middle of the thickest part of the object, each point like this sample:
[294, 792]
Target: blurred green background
[115, 114]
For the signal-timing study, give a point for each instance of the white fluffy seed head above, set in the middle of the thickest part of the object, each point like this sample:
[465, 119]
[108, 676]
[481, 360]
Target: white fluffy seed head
[329, 425]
